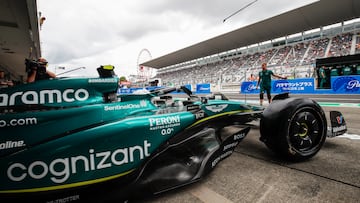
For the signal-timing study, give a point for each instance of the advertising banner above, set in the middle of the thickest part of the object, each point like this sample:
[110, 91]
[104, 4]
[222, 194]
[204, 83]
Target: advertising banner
[133, 89]
[297, 86]
[345, 84]
[127, 90]
[248, 87]
[303, 85]
[203, 88]
[339, 85]
[151, 88]
[188, 86]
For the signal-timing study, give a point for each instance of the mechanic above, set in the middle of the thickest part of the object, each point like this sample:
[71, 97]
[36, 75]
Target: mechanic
[265, 82]
[322, 76]
[39, 71]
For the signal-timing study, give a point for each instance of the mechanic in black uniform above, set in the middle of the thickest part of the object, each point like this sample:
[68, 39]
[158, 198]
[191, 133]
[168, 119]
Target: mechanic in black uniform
[39, 71]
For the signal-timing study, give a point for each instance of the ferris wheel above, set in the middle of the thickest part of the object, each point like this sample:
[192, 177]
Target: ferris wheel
[144, 73]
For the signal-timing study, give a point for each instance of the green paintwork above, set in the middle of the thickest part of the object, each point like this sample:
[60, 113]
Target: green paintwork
[82, 139]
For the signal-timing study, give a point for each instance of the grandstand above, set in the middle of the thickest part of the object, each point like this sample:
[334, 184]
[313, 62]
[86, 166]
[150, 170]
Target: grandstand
[291, 56]
[291, 45]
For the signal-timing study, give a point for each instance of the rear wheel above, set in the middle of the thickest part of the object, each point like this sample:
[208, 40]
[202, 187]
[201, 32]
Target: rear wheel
[294, 128]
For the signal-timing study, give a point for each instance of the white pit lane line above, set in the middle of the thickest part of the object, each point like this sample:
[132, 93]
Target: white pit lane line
[207, 195]
[350, 136]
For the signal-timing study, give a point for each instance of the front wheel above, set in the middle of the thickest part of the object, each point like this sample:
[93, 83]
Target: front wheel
[294, 128]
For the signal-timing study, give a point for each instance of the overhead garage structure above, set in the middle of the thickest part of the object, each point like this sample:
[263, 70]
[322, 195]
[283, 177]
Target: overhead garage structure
[315, 15]
[19, 36]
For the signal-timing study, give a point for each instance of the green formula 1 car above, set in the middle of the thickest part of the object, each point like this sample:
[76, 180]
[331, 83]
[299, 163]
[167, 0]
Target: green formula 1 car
[76, 139]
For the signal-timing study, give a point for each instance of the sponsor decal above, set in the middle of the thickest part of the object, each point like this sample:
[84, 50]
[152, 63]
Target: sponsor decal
[66, 199]
[221, 157]
[231, 145]
[12, 144]
[167, 131]
[338, 123]
[339, 119]
[44, 96]
[199, 114]
[18, 122]
[69, 166]
[339, 128]
[164, 122]
[216, 108]
[102, 80]
[192, 107]
[239, 136]
[142, 104]
[228, 149]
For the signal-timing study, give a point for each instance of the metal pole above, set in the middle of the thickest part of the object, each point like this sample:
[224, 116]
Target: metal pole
[70, 70]
[239, 10]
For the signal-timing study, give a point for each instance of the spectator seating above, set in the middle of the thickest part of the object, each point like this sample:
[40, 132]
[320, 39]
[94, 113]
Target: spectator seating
[294, 60]
[340, 45]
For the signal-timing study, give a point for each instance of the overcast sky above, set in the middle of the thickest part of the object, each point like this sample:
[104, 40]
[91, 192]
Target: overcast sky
[90, 33]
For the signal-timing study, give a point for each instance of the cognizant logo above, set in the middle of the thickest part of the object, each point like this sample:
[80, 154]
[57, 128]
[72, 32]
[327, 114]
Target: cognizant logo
[44, 96]
[62, 168]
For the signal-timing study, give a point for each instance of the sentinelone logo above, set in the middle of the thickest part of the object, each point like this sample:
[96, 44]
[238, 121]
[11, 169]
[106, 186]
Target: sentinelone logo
[142, 104]
[44, 96]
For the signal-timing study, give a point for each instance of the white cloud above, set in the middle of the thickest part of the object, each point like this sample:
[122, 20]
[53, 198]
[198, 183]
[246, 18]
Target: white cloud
[91, 33]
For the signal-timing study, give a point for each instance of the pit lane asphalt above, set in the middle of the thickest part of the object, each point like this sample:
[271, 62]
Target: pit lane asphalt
[254, 174]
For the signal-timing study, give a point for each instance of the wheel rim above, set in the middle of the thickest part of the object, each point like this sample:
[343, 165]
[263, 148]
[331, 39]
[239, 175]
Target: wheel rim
[306, 131]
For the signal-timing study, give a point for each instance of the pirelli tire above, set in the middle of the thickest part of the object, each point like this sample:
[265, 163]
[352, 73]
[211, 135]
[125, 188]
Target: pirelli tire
[294, 128]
